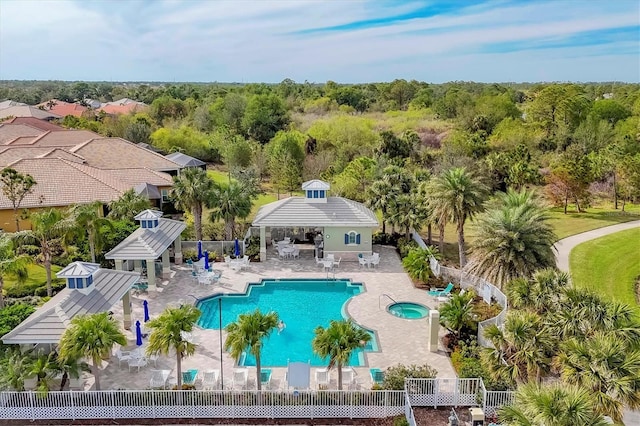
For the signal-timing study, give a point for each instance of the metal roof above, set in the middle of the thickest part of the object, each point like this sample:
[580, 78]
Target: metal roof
[315, 184]
[148, 215]
[146, 243]
[150, 191]
[185, 160]
[297, 211]
[48, 323]
[78, 269]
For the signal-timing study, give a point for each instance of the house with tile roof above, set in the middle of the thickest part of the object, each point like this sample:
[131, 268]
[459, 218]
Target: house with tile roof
[9, 103]
[34, 122]
[27, 111]
[123, 106]
[63, 108]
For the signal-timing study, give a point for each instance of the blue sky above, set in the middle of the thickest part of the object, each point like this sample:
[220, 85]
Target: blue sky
[342, 40]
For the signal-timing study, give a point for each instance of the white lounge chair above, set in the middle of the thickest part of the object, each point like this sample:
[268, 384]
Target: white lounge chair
[240, 377]
[336, 264]
[348, 377]
[323, 377]
[157, 379]
[227, 260]
[210, 379]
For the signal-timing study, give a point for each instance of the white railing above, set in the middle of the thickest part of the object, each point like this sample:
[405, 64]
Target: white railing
[408, 410]
[482, 287]
[221, 248]
[496, 399]
[441, 392]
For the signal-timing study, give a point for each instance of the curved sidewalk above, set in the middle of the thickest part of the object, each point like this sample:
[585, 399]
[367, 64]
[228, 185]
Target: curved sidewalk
[564, 246]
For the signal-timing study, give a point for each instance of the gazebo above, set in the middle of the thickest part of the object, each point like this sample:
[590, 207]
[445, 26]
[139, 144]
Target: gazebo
[346, 226]
[152, 240]
[90, 290]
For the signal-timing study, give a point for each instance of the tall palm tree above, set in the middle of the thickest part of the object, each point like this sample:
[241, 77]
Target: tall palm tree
[379, 197]
[606, 367]
[457, 312]
[522, 348]
[191, 192]
[458, 195]
[248, 333]
[87, 221]
[168, 334]
[514, 239]
[409, 211]
[92, 337]
[541, 294]
[128, 206]
[48, 229]
[230, 202]
[551, 405]
[338, 341]
[11, 264]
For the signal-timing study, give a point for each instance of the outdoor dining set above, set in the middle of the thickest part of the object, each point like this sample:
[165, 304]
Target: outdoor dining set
[286, 249]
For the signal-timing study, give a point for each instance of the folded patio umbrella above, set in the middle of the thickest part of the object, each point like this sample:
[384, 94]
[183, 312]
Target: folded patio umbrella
[237, 248]
[145, 304]
[138, 334]
[206, 260]
[199, 250]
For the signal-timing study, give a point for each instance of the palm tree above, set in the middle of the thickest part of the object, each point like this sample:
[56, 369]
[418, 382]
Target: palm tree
[458, 312]
[379, 197]
[128, 206]
[522, 348]
[14, 366]
[338, 341]
[12, 264]
[540, 294]
[69, 367]
[409, 211]
[191, 192]
[86, 219]
[248, 333]
[551, 405]
[513, 240]
[168, 334]
[458, 195]
[606, 367]
[48, 229]
[92, 337]
[230, 202]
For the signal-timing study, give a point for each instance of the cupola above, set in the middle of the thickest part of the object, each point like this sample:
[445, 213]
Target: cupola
[316, 191]
[79, 276]
[149, 219]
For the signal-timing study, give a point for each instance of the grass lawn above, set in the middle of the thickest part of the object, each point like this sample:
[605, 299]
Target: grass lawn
[609, 265]
[573, 223]
[37, 278]
[218, 176]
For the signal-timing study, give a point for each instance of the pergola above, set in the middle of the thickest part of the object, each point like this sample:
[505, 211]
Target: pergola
[151, 241]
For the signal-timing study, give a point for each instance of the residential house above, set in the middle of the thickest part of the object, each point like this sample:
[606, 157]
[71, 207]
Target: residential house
[63, 108]
[27, 111]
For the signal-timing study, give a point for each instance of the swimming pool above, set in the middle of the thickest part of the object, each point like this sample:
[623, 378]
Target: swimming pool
[301, 304]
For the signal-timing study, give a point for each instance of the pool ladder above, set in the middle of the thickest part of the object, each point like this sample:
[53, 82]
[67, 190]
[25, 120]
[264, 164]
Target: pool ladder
[385, 295]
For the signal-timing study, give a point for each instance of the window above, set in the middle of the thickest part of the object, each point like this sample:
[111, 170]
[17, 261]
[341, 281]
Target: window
[309, 194]
[165, 195]
[71, 282]
[143, 223]
[315, 193]
[322, 193]
[351, 238]
[89, 281]
[79, 283]
[155, 223]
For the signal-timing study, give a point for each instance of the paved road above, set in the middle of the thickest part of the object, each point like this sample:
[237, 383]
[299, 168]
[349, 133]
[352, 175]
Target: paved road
[565, 246]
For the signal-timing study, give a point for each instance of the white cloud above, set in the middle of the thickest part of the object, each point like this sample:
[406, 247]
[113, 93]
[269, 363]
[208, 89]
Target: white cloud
[269, 41]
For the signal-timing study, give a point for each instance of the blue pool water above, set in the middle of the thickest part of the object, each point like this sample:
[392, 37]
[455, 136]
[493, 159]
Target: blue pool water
[301, 304]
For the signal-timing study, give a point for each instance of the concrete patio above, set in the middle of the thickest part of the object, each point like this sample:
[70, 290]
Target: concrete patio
[400, 341]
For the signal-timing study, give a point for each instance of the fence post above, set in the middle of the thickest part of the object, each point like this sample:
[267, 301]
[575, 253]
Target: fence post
[153, 404]
[73, 406]
[351, 405]
[33, 410]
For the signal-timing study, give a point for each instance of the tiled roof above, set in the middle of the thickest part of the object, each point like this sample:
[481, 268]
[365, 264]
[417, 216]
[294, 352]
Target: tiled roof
[49, 322]
[148, 243]
[10, 154]
[27, 111]
[297, 211]
[63, 108]
[69, 138]
[142, 175]
[9, 132]
[9, 103]
[117, 153]
[62, 183]
[43, 125]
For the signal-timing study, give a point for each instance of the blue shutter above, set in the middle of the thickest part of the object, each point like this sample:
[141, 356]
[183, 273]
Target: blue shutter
[79, 283]
[346, 239]
[321, 193]
[71, 282]
[357, 238]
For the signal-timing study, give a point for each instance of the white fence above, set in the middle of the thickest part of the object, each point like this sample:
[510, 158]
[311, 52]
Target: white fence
[130, 404]
[220, 248]
[482, 287]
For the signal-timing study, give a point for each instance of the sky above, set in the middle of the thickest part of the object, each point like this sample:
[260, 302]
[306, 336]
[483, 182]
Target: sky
[347, 41]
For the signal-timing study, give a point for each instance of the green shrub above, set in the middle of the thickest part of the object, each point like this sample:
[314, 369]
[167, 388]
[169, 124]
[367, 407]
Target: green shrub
[253, 248]
[416, 263]
[386, 239]
[56, 286]
[400, 421]
[12, 315]
[394, 376]
[404, 246]
[190, 254]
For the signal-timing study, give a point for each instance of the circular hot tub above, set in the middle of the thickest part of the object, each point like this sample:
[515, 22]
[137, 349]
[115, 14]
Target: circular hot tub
[408, 310]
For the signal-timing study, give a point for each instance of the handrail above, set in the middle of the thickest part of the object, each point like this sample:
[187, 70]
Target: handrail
[383, 295]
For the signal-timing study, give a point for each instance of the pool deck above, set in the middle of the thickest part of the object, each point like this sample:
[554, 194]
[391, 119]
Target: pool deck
[400, 341]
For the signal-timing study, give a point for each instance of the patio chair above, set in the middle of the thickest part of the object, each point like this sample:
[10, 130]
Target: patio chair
[227, 260]
[348, 377]
[189, 377]
[362, 261]
[157, 379]
[323, 377]
[240, 377]
[441, 292]
[330, 257]
[265, 377]
[375, 260]
[319, 262]
[245, 261]
[210, 379]
[336, 264]
[377, 376]
[296, 253]
[137, 362]
[122, 356]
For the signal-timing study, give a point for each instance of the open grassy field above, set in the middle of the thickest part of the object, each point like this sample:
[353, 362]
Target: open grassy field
[37, 278]
[609, 265]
